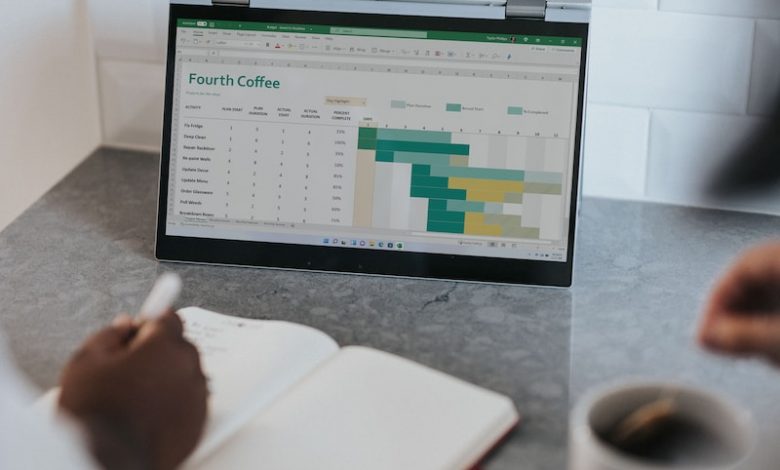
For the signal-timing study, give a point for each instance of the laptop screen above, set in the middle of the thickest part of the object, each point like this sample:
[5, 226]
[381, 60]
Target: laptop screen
[445, 142]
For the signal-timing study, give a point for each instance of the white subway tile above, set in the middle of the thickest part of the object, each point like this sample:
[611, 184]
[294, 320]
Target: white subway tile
[686, 149]
[132, 103]
[645, 4]
[645, 58]
[748, 8]
[615, 152]
[125, 29]
[765, 82]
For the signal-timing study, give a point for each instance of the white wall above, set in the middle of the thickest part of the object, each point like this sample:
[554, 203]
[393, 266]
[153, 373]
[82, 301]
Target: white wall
[49, 109]
[674, 86]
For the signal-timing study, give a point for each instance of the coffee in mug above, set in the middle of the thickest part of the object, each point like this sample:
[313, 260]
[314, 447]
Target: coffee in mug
[658, 426]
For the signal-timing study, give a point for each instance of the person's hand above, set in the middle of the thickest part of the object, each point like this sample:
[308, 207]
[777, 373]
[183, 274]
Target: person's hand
[139, 392]
[742, 316]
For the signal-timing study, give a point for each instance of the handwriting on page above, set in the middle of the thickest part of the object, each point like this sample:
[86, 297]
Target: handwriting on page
[215, 339]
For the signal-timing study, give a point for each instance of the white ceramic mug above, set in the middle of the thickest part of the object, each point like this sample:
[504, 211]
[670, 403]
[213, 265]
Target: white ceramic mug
[604, 407]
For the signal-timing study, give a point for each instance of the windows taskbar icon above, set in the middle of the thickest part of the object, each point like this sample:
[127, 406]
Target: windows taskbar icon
[363, 243]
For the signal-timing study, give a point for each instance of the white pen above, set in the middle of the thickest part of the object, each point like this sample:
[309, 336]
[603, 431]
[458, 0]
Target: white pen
[162, 296]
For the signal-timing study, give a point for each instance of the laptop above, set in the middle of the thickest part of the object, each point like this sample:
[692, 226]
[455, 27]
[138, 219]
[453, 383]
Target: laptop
[386, 138]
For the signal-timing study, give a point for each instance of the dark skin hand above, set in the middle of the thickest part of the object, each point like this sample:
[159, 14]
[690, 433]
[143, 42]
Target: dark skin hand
[743, 313]
[139, 392]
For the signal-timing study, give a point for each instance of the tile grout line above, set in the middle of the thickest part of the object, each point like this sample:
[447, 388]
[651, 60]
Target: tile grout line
[672, 110]
[752, 69]
[648, 144]
[133, 60]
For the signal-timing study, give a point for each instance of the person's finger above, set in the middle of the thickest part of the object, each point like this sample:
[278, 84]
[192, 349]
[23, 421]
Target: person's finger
[718, 305]
[192, 357]
[761, 263]
[711, 334]
[756, 334]
[110, 339]
[122, 320]
[168, 326]
[172, 324]
[743, 286]
[716, 309]
[729, 288]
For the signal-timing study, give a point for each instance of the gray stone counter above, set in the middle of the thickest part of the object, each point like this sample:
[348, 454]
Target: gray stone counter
[84, 252]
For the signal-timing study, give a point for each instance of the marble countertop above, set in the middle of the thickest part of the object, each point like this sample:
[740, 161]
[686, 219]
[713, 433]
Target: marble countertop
[84, 252]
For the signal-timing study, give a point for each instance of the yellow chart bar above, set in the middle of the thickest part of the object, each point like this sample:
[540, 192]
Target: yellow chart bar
[475, 225]
[474, 184]
[485, 196]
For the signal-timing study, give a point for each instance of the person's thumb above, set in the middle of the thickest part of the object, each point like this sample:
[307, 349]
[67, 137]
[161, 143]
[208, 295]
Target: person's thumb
[753, 334]
[111, 339]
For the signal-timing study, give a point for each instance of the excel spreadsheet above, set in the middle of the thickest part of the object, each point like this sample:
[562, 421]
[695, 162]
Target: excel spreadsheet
[377, 139]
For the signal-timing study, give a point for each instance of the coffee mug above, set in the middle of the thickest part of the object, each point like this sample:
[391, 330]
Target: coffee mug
[728, 432]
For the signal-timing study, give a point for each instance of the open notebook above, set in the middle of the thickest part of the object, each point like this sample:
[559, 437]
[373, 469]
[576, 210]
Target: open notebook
[285, 396]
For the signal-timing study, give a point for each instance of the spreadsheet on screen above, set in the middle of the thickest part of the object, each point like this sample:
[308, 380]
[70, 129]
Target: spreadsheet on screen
[421, 141]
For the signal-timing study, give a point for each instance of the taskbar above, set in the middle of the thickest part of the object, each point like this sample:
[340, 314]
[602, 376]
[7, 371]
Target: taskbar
[505, 249]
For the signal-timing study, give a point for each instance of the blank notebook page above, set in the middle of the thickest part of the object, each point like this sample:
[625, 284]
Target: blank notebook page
[367, 409]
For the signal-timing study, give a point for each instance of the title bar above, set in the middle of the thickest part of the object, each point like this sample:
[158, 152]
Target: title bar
[389, 33]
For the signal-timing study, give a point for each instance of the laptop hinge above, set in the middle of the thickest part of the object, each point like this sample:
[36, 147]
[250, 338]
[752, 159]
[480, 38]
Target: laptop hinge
[567, 11]
[526, 9]
[234, 3]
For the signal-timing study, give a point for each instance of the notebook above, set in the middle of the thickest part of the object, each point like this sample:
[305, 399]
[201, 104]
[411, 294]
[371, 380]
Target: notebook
[371, 139]
[287, 397]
